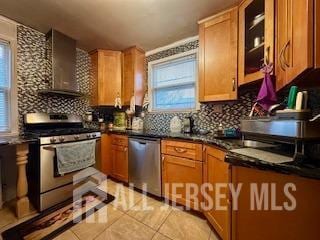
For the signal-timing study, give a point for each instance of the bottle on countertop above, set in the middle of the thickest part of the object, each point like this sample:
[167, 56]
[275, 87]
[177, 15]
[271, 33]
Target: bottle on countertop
[220, 129]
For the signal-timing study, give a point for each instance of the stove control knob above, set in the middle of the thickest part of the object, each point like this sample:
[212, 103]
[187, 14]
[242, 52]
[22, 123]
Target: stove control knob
[76, 137]
[61, 139]
[53, 140]
[88, 135]
[94, 135]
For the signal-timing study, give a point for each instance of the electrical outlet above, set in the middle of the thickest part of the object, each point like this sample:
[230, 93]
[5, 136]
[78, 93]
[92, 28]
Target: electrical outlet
[217, 108]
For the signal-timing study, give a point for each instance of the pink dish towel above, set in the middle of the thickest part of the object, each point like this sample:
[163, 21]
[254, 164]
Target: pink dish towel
[267, 95]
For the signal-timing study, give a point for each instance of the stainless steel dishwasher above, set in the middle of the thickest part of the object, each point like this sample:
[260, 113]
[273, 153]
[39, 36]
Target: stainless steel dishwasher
[145, 164]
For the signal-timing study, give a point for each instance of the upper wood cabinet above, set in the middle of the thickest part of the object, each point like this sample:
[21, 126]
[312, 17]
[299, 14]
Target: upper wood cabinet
[216, 171]
[106, 77]
[296, 32]
[218, 39]
[256, 38]
[134, 83]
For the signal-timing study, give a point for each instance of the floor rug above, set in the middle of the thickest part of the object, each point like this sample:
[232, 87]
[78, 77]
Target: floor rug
[54, 221]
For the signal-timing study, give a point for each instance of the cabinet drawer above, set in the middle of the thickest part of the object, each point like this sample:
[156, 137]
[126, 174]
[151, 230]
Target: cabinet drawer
[182, 149]
[119, 140]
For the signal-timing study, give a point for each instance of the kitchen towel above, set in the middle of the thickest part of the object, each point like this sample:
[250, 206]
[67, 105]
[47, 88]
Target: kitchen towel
[75, 156]
[267, 94]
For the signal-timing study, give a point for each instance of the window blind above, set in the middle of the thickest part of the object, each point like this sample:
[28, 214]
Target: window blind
[173, 84]
[4, 86]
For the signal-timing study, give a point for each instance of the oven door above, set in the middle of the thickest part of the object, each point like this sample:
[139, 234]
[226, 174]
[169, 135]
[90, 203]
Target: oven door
[48, 179]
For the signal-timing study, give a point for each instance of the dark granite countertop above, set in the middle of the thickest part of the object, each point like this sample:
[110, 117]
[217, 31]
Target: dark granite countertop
[15, 140]
[304, 170]
[206, 139]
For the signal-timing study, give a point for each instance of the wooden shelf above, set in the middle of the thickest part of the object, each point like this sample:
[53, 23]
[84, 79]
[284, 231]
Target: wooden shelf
[256, 48]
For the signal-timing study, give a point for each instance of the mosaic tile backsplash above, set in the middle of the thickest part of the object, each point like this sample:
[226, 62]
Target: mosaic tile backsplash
[34, 73]
[231, 113]
[205, 118]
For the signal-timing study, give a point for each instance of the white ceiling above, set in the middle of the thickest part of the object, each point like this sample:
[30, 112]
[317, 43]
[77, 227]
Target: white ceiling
[115, 24]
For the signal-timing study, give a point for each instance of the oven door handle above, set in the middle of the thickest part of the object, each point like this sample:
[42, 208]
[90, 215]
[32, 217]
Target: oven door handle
[51, 148]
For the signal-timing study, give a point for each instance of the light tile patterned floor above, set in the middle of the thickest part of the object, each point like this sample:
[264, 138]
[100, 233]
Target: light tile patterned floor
[127, 219]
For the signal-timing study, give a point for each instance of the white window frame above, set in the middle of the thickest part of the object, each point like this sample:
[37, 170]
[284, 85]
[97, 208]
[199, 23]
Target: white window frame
[150, 82]
[8, 33]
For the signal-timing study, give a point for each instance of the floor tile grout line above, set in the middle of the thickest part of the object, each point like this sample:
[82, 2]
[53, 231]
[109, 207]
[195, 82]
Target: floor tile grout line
[141, 223]
[164, 223]
[110, 225]
[148, 225]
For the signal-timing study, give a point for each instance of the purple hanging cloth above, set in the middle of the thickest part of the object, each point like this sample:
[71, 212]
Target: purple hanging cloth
[267, 95]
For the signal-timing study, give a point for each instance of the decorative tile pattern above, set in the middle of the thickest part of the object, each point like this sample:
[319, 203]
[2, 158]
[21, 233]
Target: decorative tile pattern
[205, 118]
[34, 73]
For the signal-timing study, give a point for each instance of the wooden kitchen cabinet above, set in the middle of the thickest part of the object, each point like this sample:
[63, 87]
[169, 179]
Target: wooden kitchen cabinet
[182, 149]
[256, 38]
[106, 77]
[114, 156]
[134, 82]
[217, 171]
[296, 52]
[296, 223]
[120, 162]
[106, 159]
[218, 41]
[181, 167]
[181, 171]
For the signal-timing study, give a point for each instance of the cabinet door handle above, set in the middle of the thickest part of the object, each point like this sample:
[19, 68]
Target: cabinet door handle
[233, 84]
[281, 59]
[284, 56]
[180, 150]
[267, 56]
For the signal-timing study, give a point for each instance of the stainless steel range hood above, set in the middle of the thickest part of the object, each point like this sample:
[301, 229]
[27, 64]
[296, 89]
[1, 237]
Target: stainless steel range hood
[61, 55]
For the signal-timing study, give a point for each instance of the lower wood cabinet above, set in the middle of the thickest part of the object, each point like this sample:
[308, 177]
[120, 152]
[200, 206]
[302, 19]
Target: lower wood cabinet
[300, 220]
[120, 162]
[181, 177]
[217, 173]
[114, 156]
[106, 161]
[182, 173]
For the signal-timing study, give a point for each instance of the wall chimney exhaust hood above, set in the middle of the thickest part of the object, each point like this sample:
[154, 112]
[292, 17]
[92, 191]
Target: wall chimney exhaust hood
[61, 56]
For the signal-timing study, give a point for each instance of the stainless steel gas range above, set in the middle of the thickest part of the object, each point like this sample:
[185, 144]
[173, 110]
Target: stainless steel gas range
[46, 187]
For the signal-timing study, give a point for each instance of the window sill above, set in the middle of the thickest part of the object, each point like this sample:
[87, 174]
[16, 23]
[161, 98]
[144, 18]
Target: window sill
[9, 134]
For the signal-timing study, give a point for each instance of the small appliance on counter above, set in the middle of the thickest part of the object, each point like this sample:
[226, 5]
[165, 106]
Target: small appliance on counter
[175, 125]
[137, 123]
[119, 121]
[187, 124]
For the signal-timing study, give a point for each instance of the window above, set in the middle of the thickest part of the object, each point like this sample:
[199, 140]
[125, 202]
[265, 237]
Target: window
[172, 83]
[8, 84]
[5, 86]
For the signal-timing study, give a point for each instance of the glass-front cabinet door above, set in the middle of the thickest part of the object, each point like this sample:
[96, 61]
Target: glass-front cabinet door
[256, 38]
